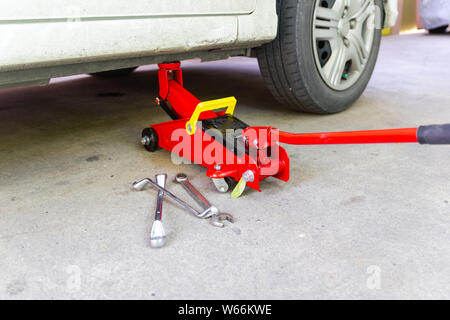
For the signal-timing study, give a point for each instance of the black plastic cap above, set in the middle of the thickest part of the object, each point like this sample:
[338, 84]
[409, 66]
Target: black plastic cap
[436, 134]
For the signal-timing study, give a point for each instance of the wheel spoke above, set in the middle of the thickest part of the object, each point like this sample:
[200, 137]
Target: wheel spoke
[364, 12]
[326, 23]
[334, 69]
[357, 43]
[325, 34]
[327, 14]
[357, 61]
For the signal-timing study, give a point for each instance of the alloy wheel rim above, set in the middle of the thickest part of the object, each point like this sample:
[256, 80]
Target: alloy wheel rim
[343, 33]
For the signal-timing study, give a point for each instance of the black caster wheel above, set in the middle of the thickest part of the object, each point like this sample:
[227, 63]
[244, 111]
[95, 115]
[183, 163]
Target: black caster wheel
[149, 139]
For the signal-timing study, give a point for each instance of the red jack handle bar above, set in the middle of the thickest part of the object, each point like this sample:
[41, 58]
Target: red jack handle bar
[434, 134]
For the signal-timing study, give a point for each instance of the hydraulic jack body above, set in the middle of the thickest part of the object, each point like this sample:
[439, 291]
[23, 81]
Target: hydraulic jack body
[208, 134]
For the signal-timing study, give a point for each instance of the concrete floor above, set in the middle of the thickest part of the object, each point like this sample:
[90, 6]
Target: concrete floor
[368, 221]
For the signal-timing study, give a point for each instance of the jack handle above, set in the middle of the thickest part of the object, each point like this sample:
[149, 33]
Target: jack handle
[432, 134]
[229, 103]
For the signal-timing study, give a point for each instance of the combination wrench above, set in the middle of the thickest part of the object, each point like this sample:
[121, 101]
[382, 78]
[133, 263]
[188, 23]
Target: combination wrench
[207, 213]
[216, 220]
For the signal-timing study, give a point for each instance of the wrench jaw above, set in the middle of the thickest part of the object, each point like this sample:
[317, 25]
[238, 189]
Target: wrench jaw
[216, 220]
[158, 236]
[226, 217]
[181, 178]
[212, 212]
[208, 213]
[216, 217]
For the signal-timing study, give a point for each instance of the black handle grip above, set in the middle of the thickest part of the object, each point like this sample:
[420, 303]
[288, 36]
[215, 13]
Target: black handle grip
[436, 134]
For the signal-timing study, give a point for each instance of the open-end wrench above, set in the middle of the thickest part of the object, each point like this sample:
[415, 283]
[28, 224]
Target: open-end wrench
[216, 220]
[158, 236]
[211, 211]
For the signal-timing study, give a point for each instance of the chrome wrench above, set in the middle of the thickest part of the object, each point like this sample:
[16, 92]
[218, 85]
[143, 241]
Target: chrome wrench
[216, 220]
[158, 236]
[207, 213]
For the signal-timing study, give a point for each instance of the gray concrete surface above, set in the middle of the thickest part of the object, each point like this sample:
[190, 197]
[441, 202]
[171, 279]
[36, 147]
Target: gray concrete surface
[71, 228]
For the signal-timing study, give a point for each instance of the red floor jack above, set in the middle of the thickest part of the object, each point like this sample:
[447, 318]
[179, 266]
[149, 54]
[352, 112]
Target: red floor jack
[208, 134]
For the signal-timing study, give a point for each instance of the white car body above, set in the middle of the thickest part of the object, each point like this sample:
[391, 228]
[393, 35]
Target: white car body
[50, 38]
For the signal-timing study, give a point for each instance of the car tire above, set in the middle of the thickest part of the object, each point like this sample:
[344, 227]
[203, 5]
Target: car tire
[439, 30]
[114, 73]
[288, 63]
